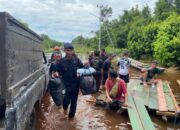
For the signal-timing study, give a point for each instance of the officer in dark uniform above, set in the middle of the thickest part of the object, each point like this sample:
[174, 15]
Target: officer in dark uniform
[67, 68]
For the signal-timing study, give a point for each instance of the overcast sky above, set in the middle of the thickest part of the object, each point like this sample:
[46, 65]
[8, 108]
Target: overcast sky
[63, 20]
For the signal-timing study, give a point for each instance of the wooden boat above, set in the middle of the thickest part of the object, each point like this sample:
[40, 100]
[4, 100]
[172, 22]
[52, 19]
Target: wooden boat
[139, 65]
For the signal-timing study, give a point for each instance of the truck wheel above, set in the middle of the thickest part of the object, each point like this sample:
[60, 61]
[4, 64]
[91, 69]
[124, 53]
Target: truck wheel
[32, 121]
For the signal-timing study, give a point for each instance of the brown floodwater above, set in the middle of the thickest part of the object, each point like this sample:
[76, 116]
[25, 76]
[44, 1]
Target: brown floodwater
[91, 117]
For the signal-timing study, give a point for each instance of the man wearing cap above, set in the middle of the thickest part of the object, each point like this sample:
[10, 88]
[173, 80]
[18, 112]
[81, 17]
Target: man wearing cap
[67, 68]
[124, 67]
[148, 74]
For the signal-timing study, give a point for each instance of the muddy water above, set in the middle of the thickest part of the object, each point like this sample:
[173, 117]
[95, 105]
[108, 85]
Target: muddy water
[91, 117]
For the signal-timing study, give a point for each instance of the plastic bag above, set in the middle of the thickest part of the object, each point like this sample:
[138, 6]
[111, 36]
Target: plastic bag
[57, 90]
[87, 84]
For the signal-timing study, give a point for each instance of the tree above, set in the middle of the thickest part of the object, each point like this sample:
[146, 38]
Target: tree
[177, 6]
[105, 13]
[163, 9]
[140, 40]
[48, 42]
[79, 40]
[167, 44]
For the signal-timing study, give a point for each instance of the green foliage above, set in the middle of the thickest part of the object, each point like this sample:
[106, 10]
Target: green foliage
[140, 40]
[177, 6]
[48, 43]
[82, 49]
[164, 8]
[110, 49]
[85, 42]
[105, 12]
[167, 44]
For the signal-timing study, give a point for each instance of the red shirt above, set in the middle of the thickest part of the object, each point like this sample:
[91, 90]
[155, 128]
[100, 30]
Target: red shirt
[122, 89]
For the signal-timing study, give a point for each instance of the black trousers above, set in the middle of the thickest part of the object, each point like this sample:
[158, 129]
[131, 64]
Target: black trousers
[105, 76]
[97, 76]
[125, 78]
[71, 98]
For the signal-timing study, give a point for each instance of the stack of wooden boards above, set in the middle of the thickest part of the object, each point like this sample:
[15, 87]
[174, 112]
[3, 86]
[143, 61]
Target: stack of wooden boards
[159, 98]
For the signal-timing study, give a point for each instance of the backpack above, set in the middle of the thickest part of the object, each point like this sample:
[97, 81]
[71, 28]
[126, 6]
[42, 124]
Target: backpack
[95, 63]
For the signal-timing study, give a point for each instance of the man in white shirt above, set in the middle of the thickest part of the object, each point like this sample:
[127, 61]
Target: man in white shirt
[124, 67]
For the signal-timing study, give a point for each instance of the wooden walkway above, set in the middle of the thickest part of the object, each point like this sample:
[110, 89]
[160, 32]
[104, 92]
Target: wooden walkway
[158, 98]
[139, 117]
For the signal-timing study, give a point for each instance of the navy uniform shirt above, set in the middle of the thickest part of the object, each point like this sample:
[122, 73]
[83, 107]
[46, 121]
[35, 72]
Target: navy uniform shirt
[67, 68]
[107, 65]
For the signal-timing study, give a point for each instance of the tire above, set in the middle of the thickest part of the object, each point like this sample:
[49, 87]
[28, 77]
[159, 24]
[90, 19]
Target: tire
[31, 125]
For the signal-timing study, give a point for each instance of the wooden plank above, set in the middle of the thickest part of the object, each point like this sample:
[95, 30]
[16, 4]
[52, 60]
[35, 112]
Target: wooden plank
[143, 114]
[140, 91]
[170, 114]
[161, 97]
[177, 109]
[169, 100]
[153, 102]
[133, 115]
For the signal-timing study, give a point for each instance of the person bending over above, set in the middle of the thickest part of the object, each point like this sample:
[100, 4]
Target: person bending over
[121, 90]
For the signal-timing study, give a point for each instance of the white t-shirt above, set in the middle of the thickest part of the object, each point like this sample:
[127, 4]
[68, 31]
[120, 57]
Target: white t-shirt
[124, 64]
[89, 70]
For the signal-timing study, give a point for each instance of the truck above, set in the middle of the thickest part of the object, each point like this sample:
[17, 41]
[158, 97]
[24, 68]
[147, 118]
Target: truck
[23, 74]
